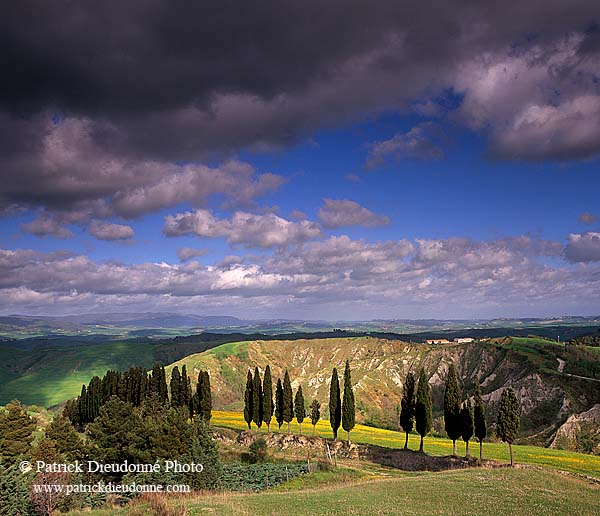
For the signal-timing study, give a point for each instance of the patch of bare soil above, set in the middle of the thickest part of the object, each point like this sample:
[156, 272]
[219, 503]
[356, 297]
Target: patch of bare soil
[409, 460]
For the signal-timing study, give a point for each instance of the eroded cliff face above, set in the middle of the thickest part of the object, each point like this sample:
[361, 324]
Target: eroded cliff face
[379, 369]
[580, 432]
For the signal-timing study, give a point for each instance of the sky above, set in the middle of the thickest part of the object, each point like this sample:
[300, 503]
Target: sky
[339, 160]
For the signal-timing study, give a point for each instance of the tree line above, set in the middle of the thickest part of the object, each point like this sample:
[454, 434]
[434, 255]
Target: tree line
[462, 418]
[135, 386]
[593, 340]
[260, 407]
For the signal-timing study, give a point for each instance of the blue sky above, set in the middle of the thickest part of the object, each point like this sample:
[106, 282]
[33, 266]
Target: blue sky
[388, 174]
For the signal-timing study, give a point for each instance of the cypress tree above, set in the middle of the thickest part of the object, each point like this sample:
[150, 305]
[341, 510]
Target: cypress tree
[186, 390]
[94, 397]
[257, 399]
[175, 385]
[407, 406]
[204, 397]
[194, 404]
[279, 403]
[335, 404]
[267, 398]
[71, 411]
[122, 394]
[163, 391]
[82, 406]
[423, 407]
[479, 419]
[248, 399]
[109, 386]
[155, 378]
[142, 385]
[452, 402]
[136, 385]
[127, 384]
[509, 419]
[315, 414]
[299, 407]
[288, 402]
[348, 410]
[467, 424]
[197, 399]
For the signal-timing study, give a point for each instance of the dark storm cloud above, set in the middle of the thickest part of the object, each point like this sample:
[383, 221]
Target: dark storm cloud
[99, 100]
[129, 62]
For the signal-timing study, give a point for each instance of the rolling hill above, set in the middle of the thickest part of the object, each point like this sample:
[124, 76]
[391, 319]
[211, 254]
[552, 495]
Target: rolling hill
[379, 367]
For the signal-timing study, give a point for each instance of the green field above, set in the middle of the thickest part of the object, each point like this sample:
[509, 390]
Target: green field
[491, 492]
[534, 455]
[48, 376]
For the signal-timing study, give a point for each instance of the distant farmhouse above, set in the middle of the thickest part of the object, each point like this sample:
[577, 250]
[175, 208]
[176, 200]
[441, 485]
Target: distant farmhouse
[438, 341]
[464, 340]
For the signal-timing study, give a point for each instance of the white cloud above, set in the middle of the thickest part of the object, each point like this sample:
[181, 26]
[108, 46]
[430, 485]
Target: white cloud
[343, 212]
[105, 231]
[538, 103]
[419, 142]
[251, 230]
[46, 225]
[186, 253]
[583, 247]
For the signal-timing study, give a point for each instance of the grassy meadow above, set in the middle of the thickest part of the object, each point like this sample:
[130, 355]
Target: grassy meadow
[491, 492]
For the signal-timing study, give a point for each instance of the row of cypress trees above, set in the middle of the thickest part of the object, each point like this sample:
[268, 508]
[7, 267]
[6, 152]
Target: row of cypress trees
[415, 407]
[259, 407]
[460, 420]
[341, 412]
[136, 385]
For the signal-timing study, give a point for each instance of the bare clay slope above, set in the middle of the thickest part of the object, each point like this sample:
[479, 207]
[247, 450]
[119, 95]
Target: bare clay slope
[379, 368]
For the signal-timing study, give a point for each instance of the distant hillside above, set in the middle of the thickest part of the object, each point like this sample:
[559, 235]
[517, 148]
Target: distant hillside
[171, 324]
[379, 367]
[48, 371]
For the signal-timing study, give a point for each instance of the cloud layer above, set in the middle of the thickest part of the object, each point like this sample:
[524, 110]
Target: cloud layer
[338, 275]
[115, 112]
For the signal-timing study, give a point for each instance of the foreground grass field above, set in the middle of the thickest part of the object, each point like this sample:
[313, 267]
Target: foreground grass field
[534, 455]
[492, 492]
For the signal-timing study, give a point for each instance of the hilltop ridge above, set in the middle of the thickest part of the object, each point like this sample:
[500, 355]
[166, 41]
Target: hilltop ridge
[379, 367]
